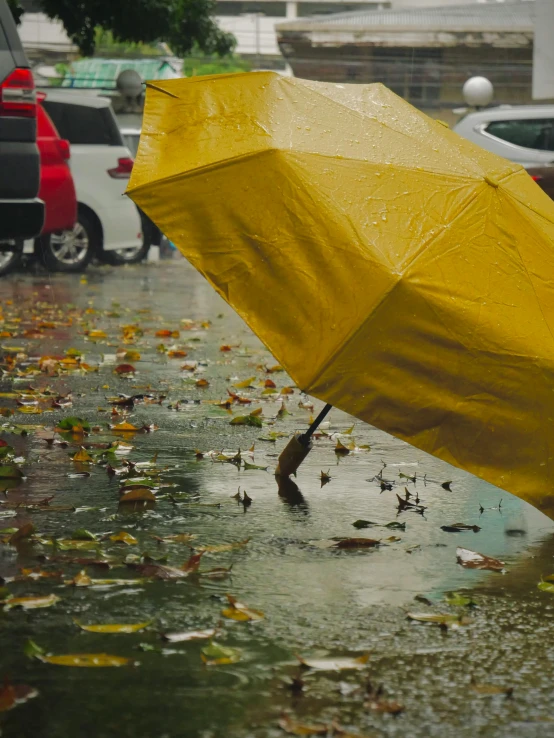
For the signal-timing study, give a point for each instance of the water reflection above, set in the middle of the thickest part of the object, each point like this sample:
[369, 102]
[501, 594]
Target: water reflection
[290, 494]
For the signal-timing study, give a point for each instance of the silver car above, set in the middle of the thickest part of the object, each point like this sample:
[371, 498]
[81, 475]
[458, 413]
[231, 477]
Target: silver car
[520, 133]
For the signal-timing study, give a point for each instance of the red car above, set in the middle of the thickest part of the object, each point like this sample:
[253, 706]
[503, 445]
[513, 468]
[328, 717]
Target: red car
[56, 183]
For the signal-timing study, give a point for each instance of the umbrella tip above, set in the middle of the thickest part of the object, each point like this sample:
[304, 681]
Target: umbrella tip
[292, 456]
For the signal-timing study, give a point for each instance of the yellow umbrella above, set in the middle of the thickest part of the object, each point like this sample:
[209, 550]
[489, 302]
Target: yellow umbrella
[395, 270]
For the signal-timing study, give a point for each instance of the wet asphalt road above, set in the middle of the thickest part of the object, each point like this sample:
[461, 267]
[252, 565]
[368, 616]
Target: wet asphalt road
[317, 601]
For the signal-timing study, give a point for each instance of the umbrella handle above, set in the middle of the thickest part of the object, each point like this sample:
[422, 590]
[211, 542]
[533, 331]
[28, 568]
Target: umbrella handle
[305, 438]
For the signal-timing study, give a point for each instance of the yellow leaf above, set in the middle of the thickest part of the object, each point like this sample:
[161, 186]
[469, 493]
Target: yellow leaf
[341, 449]
[86, 659]
[82, 455]
[82, 579]
[124, 537]
[138, 495]
[114, 627]
[124, 428]
[246, 383]
[238, 611]
[132, 355]
[97, 334]
[30, 603]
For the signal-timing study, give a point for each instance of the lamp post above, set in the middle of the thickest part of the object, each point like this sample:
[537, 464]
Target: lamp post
[478, 92]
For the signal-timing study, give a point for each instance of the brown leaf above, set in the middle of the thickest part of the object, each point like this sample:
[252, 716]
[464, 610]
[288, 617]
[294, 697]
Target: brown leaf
[25, 531]
[137, 494]
[356, 543]
[295, 728]
[12, 695]
[473, 560]
[239, 611]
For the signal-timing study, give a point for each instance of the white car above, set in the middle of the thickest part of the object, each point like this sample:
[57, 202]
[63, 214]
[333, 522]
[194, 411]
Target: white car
[109, 225]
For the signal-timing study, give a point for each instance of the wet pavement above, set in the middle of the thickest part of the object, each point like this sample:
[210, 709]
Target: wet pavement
[490, 676]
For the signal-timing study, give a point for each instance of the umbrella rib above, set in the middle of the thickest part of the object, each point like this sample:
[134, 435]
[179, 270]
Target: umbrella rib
[197, 170]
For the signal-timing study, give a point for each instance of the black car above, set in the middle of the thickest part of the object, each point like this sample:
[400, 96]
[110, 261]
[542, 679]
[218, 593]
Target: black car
[21, 212]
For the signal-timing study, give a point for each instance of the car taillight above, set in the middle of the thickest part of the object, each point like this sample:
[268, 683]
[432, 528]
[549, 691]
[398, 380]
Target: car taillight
[63, 148]
[123, 168]
[536, 177]
[17, 95]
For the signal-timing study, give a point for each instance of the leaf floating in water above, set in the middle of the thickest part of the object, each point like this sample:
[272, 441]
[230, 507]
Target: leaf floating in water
[12, 695]
[335, 664]
[124, 428]
[125, 369]
[238, 611]
[248, 466]
[363, 524]
[325, 478]
[25, 531]
[137, 494]
[215, 654]
[446, 486]
[124, 537]
[545, 585]
[83, 456]
[30, 603]
[293, 727]
[87, 660]
[473, 560]
[459, 599]
[356, 543]
[460, 527]
[113, 627]
[191, 635]
[341, 449]
[251, 420]
[444, 620]
[488, 690]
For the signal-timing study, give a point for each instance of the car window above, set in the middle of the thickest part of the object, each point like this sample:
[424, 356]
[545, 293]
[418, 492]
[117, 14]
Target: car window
[82, 124]
[535, 133]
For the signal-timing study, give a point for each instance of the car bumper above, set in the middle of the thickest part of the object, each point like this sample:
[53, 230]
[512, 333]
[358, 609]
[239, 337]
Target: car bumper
[21, 218]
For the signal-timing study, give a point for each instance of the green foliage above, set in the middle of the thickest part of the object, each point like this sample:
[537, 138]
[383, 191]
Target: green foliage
[183, 24]
[17, 10]
[198, 65]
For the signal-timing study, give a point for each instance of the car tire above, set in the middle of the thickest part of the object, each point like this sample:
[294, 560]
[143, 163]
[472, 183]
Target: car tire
[11, 253]
[70, 251]
[117, 257]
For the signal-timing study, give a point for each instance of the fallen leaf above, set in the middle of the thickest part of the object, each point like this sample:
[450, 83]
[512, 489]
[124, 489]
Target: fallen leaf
[25, 531]
[30, 603]
[137, 494]
[222, 547]
[546, 586]
[341, 449]
[248, 466]
[10, 471]
[356, 543]
[114, 628]
[269, 384]
[74, 424]
[82, 534]
[202, 382]
[487, 690]
[375, 702]
[446, 485]
[238, 611]
[251, 420]
[473, 560]
[335, 664]
[444, 620]
[12, 695]
[458, 599]
[215, 654]
[191, 635]
[123, 537]
[460, 527]
[295, 728]
[325, 478]
[82, 455]
[86, 660]
[364, 524]
[124, 428]
[125, 369]
[81, 579]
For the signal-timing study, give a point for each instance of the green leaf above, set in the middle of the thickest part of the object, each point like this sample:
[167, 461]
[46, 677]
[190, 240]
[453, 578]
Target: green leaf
[546, 586]
[363, 524]
[251, 420]
[10, 471]
[32, 650]
[457, 599]
[215, 653]
[68, 424]
[82, 534]
[254, 466]
[396, 526]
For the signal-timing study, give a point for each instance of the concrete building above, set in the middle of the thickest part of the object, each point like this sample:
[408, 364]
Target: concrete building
[423, 54]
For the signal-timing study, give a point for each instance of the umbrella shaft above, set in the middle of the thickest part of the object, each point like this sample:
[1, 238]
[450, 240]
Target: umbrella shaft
[305, 438]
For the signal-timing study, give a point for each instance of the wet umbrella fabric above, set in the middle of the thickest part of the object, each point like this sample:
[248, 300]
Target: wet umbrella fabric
[395, 270]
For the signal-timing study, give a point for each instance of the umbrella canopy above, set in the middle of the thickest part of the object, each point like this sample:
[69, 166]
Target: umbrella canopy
[394, 269]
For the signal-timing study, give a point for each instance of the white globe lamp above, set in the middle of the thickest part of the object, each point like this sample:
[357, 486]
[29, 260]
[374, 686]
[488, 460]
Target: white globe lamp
[129, 83]
[478, 91]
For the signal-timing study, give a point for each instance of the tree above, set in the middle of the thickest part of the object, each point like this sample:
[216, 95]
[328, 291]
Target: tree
[183, 24]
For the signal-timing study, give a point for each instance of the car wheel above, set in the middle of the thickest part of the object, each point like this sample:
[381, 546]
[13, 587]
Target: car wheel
[10, 255]
[127, 256]
[70, 251]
